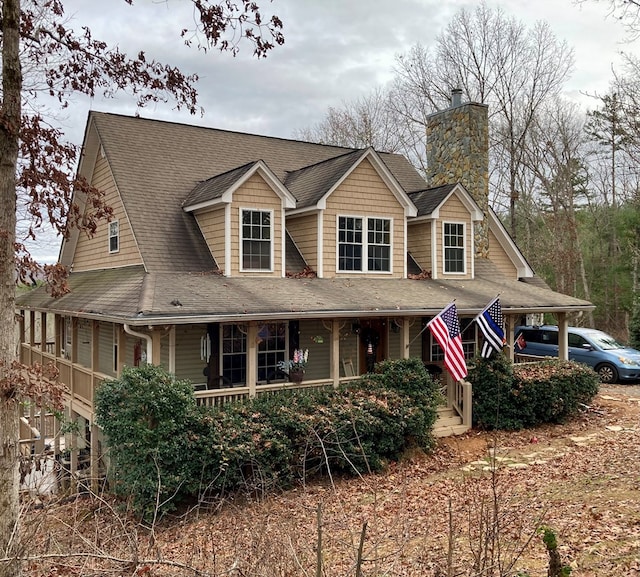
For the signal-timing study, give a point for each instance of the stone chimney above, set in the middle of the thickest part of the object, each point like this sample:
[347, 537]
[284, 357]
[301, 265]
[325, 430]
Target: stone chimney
[458, 151]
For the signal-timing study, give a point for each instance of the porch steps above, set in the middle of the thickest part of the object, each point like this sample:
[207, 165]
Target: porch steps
[448, 423]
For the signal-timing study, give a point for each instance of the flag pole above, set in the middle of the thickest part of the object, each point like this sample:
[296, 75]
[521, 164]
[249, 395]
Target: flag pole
[427, 325]
[494, 299]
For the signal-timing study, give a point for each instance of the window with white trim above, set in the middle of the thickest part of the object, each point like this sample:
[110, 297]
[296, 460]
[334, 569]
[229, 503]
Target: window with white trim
[272, 348]
[454, 247]
[234, 354]
[379, 244]
[353, 244]
[256, 239]
[114, 236]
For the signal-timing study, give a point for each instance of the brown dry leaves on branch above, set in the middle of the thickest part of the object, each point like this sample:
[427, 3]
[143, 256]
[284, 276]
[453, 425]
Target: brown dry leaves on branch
[582, 479]
[37, 382]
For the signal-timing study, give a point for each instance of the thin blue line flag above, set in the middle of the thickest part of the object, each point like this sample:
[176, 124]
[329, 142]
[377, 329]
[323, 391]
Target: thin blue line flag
[490, 322]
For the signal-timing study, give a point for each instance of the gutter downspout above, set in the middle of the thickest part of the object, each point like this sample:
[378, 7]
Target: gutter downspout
[144, 336]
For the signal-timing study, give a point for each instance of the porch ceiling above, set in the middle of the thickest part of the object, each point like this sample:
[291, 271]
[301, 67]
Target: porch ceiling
[131, 295]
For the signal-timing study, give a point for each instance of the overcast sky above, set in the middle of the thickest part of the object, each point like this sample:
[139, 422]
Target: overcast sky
[335, 51]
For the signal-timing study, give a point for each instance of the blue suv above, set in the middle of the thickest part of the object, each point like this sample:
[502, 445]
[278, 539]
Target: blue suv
[611, 360]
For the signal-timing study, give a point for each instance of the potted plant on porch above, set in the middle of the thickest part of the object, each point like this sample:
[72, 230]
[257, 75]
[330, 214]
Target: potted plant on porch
[295, 366]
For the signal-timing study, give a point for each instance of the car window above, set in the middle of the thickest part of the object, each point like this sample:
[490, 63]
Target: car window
[540, 336]
[576, 340]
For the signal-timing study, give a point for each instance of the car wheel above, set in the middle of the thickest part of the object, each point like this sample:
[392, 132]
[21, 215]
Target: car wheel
[607, 373]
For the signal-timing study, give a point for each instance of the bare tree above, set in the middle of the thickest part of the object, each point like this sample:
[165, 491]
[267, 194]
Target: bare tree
[35, 160]
[357, 124]
[495, 60]
[556, 156]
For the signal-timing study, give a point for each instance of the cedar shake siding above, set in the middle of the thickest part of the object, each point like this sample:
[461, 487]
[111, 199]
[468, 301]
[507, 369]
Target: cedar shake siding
[363, 194]
[256, 194]
[304, 232]
[93, 252]
[500, 258]
[419, 243]
[453, 211]
[212, 226]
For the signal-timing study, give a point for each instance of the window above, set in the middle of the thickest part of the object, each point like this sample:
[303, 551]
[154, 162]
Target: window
[468, 335]
[272, 348]
[256, 240]
[234, 354]
[114, 236]
[352, 244]
[349, 243]
[454, 258]
[379, 244]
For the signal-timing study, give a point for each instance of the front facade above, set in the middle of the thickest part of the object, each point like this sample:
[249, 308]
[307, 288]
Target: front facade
[228, 251]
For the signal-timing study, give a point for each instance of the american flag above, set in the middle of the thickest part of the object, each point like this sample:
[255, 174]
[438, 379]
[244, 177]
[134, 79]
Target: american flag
[446, 330]
[491, 323]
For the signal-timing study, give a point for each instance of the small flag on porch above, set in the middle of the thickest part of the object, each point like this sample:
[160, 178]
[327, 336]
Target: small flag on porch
[445, 328]
[491, 324]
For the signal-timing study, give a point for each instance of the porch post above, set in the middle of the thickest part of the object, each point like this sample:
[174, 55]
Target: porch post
[121, 339]
[73, 451]
[510, 336]
[335, 352]
[95, 347]
[21, 327]
[252, 357]
[404, 337]
[95, 458]
[43, 332]
[58, 336]
[155, 346]
[563, 338]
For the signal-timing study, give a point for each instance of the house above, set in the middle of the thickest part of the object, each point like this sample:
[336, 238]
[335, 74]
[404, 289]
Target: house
[227, 251]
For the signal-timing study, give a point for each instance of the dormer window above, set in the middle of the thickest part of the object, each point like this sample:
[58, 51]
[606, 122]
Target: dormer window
[256, 246]
[114, 236]
[454, 247]
[353, 244]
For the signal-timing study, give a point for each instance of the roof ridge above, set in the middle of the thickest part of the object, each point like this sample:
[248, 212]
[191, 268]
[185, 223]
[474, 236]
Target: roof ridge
[225, 130]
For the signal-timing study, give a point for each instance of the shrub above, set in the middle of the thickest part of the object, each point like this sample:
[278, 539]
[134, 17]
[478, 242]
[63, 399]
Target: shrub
[507, 396]
[165, 449]
[155, 434]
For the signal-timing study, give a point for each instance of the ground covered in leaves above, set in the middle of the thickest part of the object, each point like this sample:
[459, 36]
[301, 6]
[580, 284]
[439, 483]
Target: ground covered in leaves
[473, 507]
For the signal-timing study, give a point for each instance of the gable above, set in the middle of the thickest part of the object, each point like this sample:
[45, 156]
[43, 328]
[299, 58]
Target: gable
[363, 193]
[94, 252]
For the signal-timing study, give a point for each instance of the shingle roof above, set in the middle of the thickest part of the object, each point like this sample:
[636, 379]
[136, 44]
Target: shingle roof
[428, 199]
[216, 186]
[133, 296]
[157, 165]
[311, 183]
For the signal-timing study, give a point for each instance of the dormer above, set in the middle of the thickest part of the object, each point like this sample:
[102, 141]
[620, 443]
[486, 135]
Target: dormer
[241, 216]
[441, 237]
[351, 217]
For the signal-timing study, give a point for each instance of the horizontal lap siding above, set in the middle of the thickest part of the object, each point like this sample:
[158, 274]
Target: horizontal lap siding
[106, 349]
[364, 193]
[311, 333]
[212, 226]
[84, 343]
[419, 243]
[499, 257]
[189, 365]
[92, 253]
[256, 194]
[454, 211]
[304, 232]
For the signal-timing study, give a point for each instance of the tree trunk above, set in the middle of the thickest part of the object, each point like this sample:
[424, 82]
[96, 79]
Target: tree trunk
[10, 113]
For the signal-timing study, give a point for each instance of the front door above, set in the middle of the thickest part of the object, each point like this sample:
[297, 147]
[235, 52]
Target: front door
[373, 343]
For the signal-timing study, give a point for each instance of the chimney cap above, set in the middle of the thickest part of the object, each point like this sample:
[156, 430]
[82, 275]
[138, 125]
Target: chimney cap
[456, 97]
